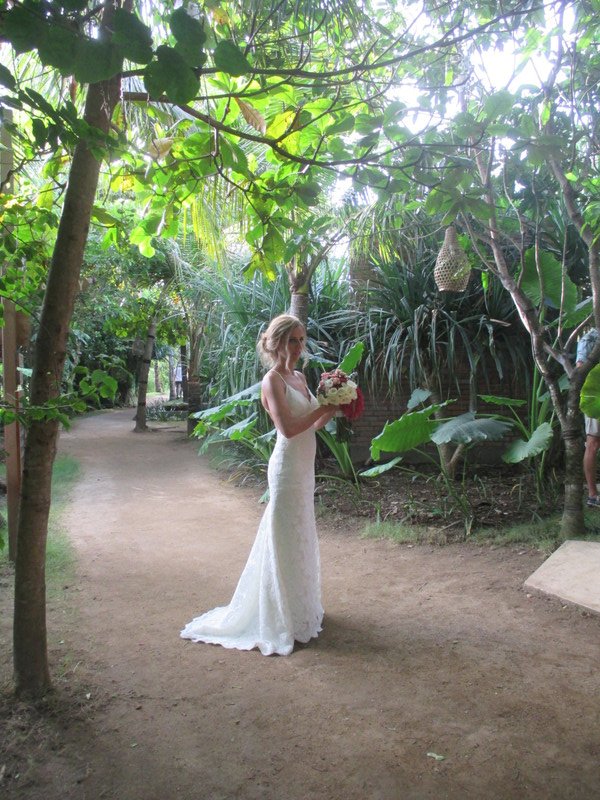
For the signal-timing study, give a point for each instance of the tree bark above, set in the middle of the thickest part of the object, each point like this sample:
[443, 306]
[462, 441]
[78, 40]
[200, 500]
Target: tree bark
[32, 675]
[157, 384]
[140, 415]
[299, 306]
[172, 393]
[183, 360]
[572, 521]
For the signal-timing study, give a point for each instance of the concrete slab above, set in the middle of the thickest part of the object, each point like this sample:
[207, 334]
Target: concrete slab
[572, 573]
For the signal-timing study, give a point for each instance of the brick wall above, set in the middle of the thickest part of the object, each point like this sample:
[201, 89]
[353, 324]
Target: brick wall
[379, 410]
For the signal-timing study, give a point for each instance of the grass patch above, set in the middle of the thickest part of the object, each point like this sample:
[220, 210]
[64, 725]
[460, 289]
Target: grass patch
[541, 534]
[60, 555]
[402, 534]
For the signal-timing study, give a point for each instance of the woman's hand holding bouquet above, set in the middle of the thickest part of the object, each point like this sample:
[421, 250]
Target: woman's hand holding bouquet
[337, 389]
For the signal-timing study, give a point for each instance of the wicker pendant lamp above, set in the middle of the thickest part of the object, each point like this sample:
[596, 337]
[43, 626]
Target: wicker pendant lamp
[452, 269]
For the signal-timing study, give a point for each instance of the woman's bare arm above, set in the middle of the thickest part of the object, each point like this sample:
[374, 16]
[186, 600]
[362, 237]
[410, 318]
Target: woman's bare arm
[275, 402]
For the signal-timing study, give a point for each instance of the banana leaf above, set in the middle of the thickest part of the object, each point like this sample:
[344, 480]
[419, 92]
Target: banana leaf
[465, 429]
[538, 442]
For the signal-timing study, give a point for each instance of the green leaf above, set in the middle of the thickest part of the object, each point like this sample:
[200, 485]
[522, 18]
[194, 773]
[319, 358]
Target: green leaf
[580, 313]
[589, 399]
[6, 78]
[190, 35]
[103, 217]
[229, 58]
[59, 49]
[499, 104]
[511, 402]
[539, 441]
[552, 275]
[23, 28]
[465, 429]
[411, 430]
[342, 125]
[134, 38]
[353, 357]
[417, 397]
[170, 74]
[374, 472]
[96, 61]
[371, 177]
[308, 192]
[273, 244]
[366, 124]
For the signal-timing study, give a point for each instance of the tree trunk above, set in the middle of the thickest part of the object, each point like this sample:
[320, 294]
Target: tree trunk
[140, 416]
[32, 676]
[573, 521]
[172, 392]
[299, 305]
[183, 360]
[157, 384]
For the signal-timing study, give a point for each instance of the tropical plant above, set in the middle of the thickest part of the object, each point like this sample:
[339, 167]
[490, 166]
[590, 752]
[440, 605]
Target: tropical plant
[417, 428]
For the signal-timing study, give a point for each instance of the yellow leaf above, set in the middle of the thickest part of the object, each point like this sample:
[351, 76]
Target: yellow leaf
[252, 116]
[220, 16]
[160, 147]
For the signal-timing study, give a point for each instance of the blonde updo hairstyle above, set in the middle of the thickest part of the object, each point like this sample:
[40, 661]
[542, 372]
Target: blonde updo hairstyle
[275, 337]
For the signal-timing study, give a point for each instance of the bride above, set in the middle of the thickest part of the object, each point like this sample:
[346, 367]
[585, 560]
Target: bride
[278, 597]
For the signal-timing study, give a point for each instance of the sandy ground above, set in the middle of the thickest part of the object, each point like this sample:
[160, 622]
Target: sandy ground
[436, 675]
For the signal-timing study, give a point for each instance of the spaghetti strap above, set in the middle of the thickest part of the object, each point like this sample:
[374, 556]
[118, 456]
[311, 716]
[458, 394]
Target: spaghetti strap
[281, 376]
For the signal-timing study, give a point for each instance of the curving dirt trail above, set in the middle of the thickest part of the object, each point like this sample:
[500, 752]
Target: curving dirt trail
[426, 653]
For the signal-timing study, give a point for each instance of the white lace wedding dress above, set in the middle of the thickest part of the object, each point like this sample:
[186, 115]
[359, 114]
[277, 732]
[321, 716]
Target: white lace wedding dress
[278, 597]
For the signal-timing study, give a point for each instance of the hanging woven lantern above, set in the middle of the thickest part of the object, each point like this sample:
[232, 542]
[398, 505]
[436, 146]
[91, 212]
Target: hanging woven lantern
[452, 269]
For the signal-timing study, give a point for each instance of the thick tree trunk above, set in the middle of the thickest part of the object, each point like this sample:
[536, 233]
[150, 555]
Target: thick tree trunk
[140, 416]
[299, 305]
[32, 676]
[572, 521]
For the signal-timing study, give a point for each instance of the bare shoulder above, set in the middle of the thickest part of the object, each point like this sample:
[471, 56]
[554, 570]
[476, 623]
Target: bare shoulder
[273, 382]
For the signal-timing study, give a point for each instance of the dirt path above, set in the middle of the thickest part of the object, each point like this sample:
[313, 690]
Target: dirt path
[425, 653]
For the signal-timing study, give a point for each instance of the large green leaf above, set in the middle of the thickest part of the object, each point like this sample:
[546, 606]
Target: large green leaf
[309, 192]
[190, 35]
[58, 48]
[411, 430]
[465, 429]
[538, 442]
[589, 400]
[6, 78]
[170, 74]
[552, 275]
[229, 58]
[96, 61]
[499, 104]
[353, 357]
[23, 29]
[579, 314]
[134, 38]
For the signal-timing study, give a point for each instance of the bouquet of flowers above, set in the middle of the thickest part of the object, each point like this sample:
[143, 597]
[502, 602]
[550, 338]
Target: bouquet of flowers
[337, 389]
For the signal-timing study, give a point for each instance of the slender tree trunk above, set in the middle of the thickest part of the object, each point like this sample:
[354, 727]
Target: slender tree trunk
[183, 360]
[140, 416]
[157, 383]
[30, 640]
[172, 392]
